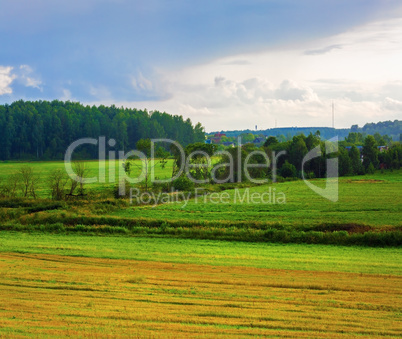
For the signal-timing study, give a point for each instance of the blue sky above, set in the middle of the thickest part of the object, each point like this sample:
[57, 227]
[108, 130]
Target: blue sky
[228, 64]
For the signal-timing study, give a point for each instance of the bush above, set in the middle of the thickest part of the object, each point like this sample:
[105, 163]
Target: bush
[288, 170]
[123, 186]
[395, 164]
[370, 168]
[160, 187]
[183, 183]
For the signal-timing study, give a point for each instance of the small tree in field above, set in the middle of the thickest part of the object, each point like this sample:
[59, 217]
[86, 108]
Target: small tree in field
[2, 189]
[81, 171]
[10, 187]
[57, 183]
[145, 146]
[29, 181]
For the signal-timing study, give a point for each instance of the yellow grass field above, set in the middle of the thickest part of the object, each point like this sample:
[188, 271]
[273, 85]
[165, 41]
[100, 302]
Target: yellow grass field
[47, 295]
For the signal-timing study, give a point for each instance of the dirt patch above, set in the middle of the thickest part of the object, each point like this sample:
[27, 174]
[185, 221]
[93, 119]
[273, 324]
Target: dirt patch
[364, 181]
[355, 228]
[350, 228]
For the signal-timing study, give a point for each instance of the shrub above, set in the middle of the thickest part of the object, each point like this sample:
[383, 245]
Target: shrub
[57, 182]
[161, 187]
[288, 170]
[183, 183]
[370, 168]
[124, 187]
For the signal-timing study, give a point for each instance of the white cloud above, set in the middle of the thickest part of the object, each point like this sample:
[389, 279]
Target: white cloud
[27, 78]
[6, 78]
[140, 83]
[100, 92]
[290, 90]
[322, 50]
[393, 89]
[66, 95]
[393, 105]
[359, 70]
[203, 111]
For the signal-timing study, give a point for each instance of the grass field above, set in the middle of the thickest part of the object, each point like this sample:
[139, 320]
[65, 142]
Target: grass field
[58, 285]
[44, 168]
[362, 200]
[100, 267]
[368, 212]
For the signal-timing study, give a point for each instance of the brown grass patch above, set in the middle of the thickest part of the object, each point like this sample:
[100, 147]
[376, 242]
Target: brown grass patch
[49, 295]
[365, 181]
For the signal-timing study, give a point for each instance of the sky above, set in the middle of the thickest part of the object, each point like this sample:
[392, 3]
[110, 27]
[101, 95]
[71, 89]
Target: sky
[229, 64]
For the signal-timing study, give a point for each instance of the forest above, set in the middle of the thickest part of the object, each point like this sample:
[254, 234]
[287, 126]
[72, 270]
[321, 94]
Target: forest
[357, 155]
[42, 130]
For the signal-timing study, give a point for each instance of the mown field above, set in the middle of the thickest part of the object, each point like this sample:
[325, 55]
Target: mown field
[71, 285]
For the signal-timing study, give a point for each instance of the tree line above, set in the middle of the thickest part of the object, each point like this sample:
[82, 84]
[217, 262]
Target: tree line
[351, 160]
[42, 130]
[392, 128]
[357, 155]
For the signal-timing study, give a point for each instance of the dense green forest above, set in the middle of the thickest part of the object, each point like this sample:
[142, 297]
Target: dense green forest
[43, 130]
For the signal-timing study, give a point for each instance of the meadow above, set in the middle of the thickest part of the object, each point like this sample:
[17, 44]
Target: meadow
[368, 211]
[111, 168]
[99, 266]
[58, 285]
[362, 200]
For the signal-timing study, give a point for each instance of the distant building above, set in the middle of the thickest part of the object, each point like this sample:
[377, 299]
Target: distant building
[215, 140]
[360, 148]
[259, 140]
[382, 148]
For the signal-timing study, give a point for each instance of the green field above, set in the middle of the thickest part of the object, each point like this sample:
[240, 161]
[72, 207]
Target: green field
[44, 168]
[368, 211]
[99, 266]
[361, 200]
[210, 252]
[365, 200]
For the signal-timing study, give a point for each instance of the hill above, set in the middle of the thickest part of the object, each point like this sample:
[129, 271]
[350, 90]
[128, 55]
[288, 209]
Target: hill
[391, 128]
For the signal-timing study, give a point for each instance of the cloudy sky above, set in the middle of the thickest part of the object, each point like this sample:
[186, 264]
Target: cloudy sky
[230, 64]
